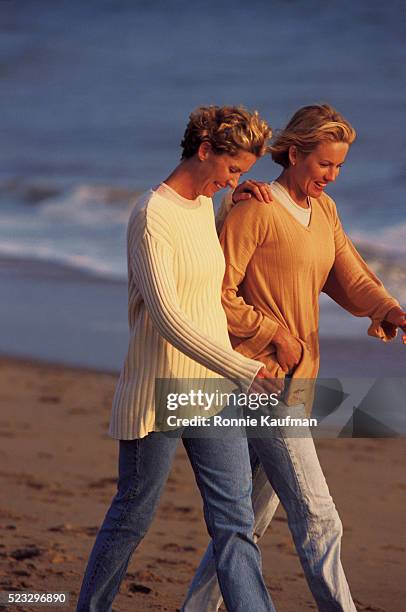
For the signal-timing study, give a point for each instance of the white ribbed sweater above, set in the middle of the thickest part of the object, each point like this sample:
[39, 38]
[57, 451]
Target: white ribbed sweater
[178, 328]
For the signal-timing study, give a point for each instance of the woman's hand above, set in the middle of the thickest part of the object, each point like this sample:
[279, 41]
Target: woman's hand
[397, 317]
[265, 383]
[288, 349]
[248, 189]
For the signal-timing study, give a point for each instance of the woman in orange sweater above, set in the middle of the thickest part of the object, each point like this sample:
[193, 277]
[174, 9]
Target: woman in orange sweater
[278, 260]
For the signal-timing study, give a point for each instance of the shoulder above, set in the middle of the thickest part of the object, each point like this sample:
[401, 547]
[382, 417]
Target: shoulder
[206, 201]
[249, 220]
[207, 206]
[150, 215]
[328, 207]
[327, 203]
[250, 212]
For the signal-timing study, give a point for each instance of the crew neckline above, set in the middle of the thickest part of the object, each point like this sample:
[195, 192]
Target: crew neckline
[286, 192]
[166, 191]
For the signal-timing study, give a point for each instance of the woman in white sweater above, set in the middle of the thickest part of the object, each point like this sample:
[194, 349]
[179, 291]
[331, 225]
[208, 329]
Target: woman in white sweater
[178, 330]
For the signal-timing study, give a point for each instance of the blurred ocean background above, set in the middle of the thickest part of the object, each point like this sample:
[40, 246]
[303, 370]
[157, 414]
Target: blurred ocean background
[94, 101]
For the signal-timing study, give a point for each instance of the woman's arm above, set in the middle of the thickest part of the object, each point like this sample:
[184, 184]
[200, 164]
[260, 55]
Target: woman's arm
[245, 321]
[353, 285]
[151, 259]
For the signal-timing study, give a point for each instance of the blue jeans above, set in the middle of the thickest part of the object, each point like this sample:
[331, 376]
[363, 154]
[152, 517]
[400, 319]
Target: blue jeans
[223, 474]
[287, 468]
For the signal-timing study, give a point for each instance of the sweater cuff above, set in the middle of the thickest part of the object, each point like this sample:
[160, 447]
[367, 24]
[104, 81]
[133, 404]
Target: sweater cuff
[380, 328]
[253, 346]
[383, 330]
[246, 382]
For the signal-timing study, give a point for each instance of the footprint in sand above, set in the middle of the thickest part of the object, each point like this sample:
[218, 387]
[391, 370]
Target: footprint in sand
[173, 562]
[275, 588]
[176, 548]
[74, 529]
[28, 552]
[26, 479]
[164, 561]
[36, 484]
[44, 455]
[78, 411]
[171, 508]
[102, 482]
[143, 576]
[139, 588]
[49, 399]
[394, 548]
[7, 434]
[362, 607]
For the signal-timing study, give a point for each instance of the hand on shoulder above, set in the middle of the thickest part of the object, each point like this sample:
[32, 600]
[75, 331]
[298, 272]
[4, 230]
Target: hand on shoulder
[252, 189]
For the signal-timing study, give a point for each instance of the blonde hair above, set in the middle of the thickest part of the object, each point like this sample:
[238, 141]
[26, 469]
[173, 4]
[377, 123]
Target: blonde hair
[228, 129]
[310, 126]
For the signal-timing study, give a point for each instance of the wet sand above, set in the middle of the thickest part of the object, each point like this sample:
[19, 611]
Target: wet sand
[58, 474]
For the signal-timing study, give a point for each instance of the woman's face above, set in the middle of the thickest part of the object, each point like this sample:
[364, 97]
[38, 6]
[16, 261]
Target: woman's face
[312, 172]
[220, 171]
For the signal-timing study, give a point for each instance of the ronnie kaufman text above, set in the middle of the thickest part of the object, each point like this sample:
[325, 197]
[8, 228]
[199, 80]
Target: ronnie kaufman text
[247, 421]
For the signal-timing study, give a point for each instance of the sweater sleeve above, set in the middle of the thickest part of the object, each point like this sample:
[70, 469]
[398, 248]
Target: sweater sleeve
[151, 258]
[255, 329]
[353, 285]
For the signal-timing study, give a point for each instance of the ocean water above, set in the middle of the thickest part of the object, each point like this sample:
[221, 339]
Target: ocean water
[95, 97]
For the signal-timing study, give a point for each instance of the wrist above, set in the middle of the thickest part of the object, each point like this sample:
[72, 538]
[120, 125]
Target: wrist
[261, 372]
[279, 337]
[395, 310]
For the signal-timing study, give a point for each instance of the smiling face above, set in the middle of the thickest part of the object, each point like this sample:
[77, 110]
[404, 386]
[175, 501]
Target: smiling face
[313, 171]
[218, 171]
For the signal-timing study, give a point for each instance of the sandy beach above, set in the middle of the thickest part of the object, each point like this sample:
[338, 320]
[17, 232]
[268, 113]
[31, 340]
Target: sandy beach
[58, 474]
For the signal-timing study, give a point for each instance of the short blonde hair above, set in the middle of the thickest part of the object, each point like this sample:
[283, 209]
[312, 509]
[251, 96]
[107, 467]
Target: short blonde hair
[228, 129]
[310, 126]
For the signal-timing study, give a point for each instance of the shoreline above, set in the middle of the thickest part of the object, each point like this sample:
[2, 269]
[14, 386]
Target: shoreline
[27, 267]
[340, 357]
[58, 314]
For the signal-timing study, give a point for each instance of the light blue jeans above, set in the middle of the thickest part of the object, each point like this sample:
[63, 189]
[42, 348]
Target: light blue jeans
[223, 474]
[287, 468]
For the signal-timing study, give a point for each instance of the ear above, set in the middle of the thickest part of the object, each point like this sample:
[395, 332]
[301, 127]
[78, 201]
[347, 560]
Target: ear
[204, 150]
[293, 153]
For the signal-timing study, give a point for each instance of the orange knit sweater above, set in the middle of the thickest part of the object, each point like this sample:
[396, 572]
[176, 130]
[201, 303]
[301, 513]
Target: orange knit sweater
[275, 271]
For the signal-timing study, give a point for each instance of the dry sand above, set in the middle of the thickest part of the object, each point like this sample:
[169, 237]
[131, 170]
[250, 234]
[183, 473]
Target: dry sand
[58, 471]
